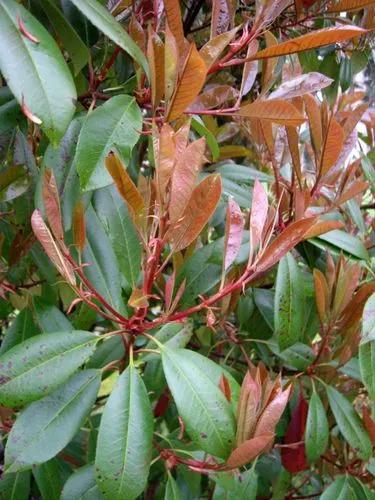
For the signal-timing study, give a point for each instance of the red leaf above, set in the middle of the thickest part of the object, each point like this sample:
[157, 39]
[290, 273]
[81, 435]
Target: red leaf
[79, 228]
[258, 215]
[52, 204]
[225, 387]
[201, 206]
[294, 458]
[233, 233]
[184, 177]
[249, 450]
[45, 238]
[272, 413]
[283, 243]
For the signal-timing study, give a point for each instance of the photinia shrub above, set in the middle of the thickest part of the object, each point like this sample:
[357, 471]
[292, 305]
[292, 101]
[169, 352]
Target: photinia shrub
[187, 293]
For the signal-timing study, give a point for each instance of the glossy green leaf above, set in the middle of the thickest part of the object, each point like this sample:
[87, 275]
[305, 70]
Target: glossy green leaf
[45, 427]
[29, 371]
[113, 125]
[15, 486]
[124, 446]
[118, 224]
[42, 81]
[367, 366]
[368, 320]
[48, 478]
[172, 491]
[22, 328]
[60, 160]
[81, 485]
[339, 241]
[317, 430]
[349, 423]
[102, 19]
[203, 131]
[110, 350]
[10, 116]
[207, 415]
[339, 490]
[77, 50]
[173, 335]
[289, 303]
[298, 356]
[49, 318]
[103, 270]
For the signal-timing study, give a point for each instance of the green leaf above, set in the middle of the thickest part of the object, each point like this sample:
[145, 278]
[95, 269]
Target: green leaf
[60, 160]
[115, 124]
[349, 423]
[45, 427]
[77, 50]
[118, 224]
[49, 318]
[48, 478]
[368, 320]
[203, 131]
[339, 490]
[173, 335]
[81, 485]
[367, 366]
[202, 271]
[111, 349]
[289, 303]
[103, 20]
[317, 430]
[15, 486]
[341, 241]
[172, 491]
[22, 328]
[10, 116]
[207, 415]
[215, 372]
[124, 446]
[298, 356]
[361, 491]
[103, 271]
[36, 73]
[29, 371]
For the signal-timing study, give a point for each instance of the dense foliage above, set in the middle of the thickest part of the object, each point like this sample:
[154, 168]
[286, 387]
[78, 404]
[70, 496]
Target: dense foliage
[187, 240]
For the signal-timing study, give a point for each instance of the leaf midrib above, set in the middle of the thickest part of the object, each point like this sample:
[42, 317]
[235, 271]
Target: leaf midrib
[62, 409]
[23, 42]
[197, 397]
